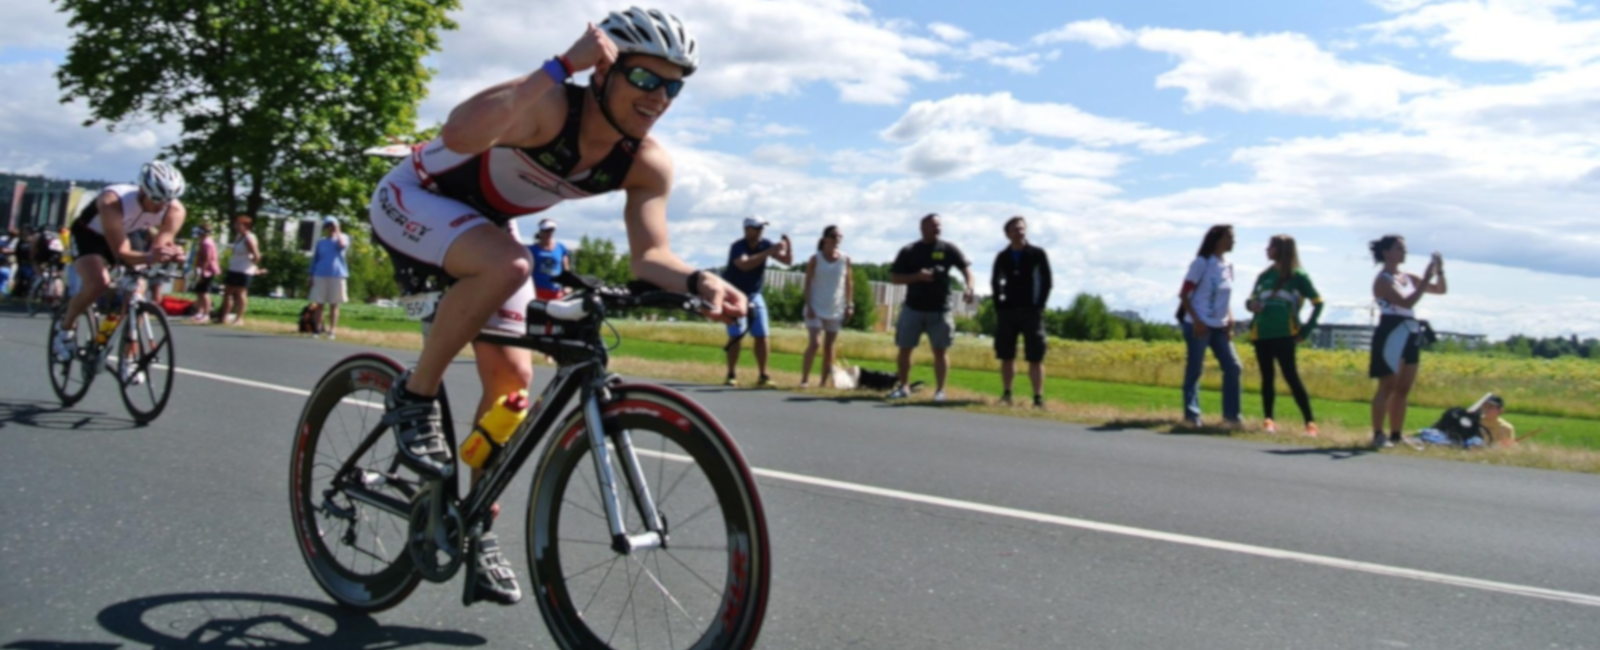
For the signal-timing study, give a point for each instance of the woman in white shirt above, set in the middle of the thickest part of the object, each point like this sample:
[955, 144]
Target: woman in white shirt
[242, 268]
[828, 290]
[1208, 322]
[1396, 344]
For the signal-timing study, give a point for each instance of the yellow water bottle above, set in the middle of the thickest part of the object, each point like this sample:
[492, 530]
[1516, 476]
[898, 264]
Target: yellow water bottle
[489, 437]
[106, 327]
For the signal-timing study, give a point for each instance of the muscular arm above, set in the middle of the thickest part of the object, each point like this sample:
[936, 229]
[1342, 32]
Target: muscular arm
[650, 255]
[504, 112]
[786, 257]
[754, 261]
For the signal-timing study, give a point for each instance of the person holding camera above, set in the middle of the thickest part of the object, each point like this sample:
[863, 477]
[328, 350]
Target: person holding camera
[1397, 342]
[747, 272]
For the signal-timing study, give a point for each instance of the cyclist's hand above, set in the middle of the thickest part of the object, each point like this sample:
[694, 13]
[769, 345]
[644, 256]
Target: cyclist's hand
[592, 50]
[723, 302]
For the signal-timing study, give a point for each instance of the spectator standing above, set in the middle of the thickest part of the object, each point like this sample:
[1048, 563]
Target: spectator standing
[206, 270]
[1279, 294]
[924, 267]
[1020, 284]
[1397, 342]
[242, 268]
[747, 271]
[550, 259]
[828, 292]
[8, 250]
[1208, 323]
[330, 274]
[22, 279]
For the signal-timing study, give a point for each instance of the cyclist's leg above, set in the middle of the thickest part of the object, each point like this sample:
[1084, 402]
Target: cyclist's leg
[94, 276]
[489, 267]
[502, 370]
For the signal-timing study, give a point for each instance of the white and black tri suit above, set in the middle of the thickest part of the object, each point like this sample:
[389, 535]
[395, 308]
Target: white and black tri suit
[89, 234]
[427, 201]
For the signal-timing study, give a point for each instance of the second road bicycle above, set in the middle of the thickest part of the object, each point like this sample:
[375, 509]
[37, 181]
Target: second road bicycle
[644, 526]
[131, 339]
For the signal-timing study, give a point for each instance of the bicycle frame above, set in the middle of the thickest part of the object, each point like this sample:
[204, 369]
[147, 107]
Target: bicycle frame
[584, 381]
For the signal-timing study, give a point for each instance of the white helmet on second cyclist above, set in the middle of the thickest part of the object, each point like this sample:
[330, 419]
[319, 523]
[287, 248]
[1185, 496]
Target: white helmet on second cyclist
[160, 181]
[653, 32]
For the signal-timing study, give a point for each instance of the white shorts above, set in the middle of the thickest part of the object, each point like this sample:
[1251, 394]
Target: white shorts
[329, 291]
[829, 325]
[421, 225]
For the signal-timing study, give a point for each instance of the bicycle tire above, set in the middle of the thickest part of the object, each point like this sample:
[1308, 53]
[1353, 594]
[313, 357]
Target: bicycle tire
[147, 332]
[729, 566]
[391, 579]
[70, 379]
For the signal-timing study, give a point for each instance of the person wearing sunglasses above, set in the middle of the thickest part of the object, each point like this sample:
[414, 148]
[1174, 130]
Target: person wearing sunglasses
[100, 235]
[513, 149]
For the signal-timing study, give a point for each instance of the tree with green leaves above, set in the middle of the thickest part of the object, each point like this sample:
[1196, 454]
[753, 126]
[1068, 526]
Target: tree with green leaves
[276, 98]
[598, 257]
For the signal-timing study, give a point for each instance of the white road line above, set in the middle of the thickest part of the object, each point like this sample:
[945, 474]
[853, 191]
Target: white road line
[1084, 524]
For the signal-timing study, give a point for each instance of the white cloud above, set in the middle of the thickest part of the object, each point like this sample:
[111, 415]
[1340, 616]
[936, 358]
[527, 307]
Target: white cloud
[782, 154]
[1003, 112]
[748, 47]
[1025, 63]
[40, 135]
[1538, 33]
[34, 24]
[1285, 73]
[949, 33]
[1099, 33]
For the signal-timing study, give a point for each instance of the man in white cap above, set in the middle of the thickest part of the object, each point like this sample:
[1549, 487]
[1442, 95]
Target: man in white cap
[330, 273]
[550, 259]
[747, 272]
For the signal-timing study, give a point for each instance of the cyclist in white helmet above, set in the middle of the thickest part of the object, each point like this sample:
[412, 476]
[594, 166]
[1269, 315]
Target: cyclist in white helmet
[512, 150]
[100, 236]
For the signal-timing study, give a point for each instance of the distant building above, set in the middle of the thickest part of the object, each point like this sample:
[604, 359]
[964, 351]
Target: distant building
[1337, 336]
[1128, 315]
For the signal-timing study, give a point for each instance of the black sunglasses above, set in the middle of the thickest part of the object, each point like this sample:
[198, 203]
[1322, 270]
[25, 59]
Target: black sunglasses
[644, 79]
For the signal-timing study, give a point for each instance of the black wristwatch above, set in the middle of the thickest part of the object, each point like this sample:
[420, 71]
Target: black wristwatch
[694, 283]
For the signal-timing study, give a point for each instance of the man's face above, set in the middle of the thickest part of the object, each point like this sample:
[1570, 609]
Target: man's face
[753, 233]
[1018, 232]
[634, 108]
[931, 228]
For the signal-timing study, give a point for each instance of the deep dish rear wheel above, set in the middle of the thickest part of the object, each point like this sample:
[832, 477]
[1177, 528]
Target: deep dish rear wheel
[355, 549]
[706, 589]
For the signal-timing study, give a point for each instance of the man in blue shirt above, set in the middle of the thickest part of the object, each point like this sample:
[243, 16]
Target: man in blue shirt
[747, 271]
[550, 259]
[329, 273]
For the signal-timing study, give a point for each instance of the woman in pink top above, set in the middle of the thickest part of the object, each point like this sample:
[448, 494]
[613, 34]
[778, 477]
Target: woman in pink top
[205, 268]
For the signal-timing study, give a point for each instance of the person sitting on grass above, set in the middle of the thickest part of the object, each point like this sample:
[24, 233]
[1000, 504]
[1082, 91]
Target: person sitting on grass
[1503, 433]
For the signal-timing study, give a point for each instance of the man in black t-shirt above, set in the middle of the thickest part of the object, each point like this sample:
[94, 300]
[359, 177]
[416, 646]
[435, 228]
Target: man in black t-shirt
[924, 267]
[1021, 287]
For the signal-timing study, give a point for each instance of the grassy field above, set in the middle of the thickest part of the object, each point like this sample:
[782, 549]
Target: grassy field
[1124, 384]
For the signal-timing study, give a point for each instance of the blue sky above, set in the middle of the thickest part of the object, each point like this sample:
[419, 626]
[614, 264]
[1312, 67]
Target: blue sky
[1121, 130]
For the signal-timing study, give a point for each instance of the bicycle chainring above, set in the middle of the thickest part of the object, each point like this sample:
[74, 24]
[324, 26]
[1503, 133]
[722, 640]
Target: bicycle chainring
[436, 544]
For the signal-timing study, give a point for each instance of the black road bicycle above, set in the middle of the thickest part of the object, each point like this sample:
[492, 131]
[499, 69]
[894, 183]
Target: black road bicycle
[141, 357]
[644, 526]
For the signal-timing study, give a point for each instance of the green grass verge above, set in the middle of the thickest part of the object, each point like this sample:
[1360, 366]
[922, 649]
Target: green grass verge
[1563, 432]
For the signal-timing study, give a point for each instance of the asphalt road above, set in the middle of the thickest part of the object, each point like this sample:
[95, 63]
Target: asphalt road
[893, 527]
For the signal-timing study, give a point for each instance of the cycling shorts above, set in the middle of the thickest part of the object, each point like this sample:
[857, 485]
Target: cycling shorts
[418, 227]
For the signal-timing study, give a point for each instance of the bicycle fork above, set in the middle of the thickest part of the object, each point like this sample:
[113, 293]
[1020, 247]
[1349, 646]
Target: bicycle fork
[655, 534]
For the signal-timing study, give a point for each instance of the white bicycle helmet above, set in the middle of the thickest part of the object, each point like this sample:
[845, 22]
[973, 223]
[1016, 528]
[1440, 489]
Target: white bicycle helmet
[653, 32]
[160, 181]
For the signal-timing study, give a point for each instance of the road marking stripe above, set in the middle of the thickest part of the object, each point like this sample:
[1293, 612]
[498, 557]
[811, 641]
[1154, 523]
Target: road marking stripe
[1084, 524]
[1189, 540]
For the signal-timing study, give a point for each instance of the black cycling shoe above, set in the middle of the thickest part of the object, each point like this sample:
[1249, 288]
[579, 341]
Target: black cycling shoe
[418, 432]
[492, 577]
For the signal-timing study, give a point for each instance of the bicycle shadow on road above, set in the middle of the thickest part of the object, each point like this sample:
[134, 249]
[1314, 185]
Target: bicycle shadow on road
[233, 620]
[50, 415]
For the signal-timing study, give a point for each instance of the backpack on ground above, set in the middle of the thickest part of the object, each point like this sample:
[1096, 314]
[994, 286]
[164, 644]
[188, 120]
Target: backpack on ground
[311, 319]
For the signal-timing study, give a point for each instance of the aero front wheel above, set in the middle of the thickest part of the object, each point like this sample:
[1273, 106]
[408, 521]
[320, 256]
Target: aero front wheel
[146, 363]
[352, 526]
[71, 374]
[706, 588]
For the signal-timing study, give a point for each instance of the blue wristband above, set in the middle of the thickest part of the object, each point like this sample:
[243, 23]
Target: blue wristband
[557, 72]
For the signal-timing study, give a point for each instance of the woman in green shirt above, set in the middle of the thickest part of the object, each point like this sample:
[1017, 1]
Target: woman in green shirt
[1280, 292]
